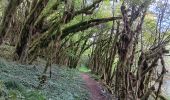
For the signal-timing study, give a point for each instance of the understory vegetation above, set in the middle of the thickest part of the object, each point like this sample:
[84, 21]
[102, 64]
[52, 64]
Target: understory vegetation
[20, 82]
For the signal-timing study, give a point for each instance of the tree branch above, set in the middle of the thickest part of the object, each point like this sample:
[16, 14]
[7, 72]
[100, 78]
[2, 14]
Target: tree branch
[85, 25]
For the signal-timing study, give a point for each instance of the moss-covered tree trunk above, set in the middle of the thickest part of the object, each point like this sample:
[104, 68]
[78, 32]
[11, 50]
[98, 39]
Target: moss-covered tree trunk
[8, 14]
[28, 28]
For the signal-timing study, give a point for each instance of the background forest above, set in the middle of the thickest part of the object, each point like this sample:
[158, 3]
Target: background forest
[48, 44]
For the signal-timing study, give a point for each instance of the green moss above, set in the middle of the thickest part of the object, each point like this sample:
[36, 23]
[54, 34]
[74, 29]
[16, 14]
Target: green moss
[6, 51]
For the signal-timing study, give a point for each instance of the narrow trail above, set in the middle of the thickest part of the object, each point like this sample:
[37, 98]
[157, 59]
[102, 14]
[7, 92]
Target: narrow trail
[95, 89]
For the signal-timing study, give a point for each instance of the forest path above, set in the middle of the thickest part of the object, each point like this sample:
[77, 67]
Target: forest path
[96, 90]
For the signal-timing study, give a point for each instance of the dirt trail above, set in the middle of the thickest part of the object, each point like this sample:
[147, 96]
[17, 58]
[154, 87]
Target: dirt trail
[95, 89]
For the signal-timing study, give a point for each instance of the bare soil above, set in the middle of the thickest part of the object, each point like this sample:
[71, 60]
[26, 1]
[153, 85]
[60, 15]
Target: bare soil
[97, 91]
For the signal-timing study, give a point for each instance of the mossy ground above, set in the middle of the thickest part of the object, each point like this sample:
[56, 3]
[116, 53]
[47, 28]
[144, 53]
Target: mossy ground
[22, 80]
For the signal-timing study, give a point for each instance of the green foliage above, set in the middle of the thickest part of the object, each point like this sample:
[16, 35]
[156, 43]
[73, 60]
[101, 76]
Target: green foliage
[84, 60]
[10, 94]
[149, 28]
[34, 95]
[138, 2]
[105, 10]
[11, 84]
[15, 95]
[12, 90]
[96, 77]
[3, 91]
[19, 81]
[70, 53]
[84, 69]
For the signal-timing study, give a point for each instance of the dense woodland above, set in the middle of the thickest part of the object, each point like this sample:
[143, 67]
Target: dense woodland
[124, 42]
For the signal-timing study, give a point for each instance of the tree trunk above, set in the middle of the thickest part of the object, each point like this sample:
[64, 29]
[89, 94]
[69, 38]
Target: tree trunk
[8, 14]
[28, 28]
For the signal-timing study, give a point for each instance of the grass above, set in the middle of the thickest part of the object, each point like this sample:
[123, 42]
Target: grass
[84, 69]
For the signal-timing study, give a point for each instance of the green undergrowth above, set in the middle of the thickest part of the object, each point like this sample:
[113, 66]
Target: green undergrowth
[11, 90]
[84, 69]
[95, 77]
[19, 82]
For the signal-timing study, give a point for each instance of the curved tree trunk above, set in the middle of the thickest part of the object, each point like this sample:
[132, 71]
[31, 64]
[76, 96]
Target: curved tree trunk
[28, 28]
[8, 13]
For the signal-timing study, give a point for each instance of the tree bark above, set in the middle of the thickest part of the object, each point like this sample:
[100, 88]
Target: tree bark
[28, 27]
[8, 14]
